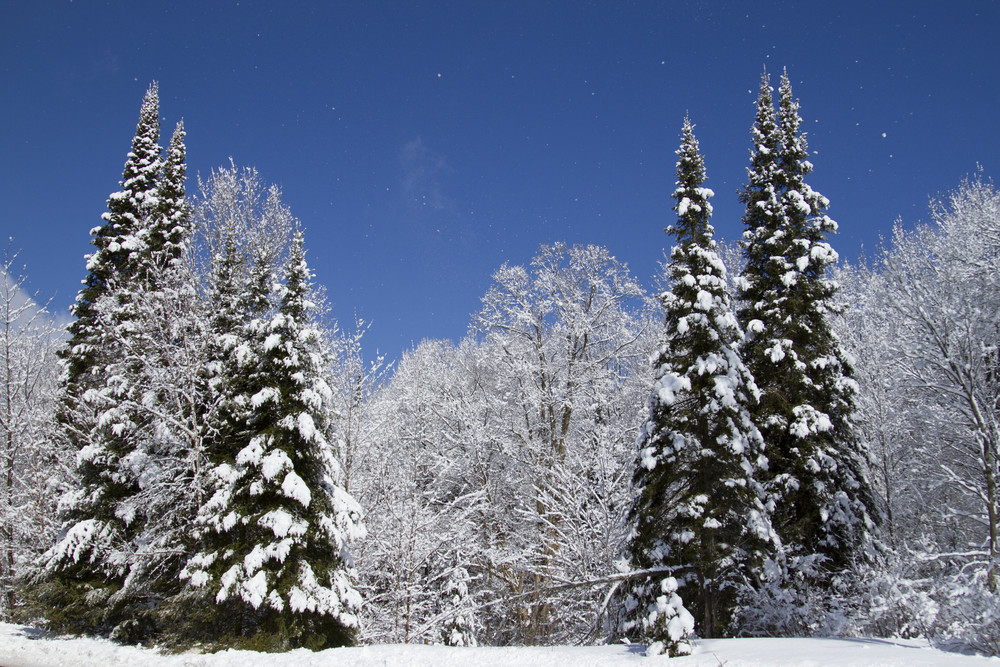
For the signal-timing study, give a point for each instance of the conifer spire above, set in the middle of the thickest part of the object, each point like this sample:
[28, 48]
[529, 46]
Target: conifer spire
[169, 229]
[114, 243]
[130, 207]
[816, 480]
[698, 509]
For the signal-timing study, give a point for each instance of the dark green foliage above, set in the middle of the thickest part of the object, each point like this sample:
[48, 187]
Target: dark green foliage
[107, 565]
[170, 227]
[196, 618]
[273, 544]
[816, 477]
[85, 560]
[69, 606]
[698, 508]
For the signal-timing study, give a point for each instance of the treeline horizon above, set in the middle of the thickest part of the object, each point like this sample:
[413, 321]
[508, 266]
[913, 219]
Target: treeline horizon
[769, 443]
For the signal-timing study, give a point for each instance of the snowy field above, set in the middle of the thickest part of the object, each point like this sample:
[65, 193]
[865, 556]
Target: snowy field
[23, 647]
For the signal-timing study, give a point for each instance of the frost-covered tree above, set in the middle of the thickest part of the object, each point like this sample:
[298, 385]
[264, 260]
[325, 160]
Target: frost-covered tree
[506, 458]
[821, 498]
[942, 286]
[899, 429]
[417, 483]
[407, 520]
[235, 209]
[275, 567]
[358, 381]
[922, 324]
[566, 335]
[34, 465]
[889, 414]
[698, 507]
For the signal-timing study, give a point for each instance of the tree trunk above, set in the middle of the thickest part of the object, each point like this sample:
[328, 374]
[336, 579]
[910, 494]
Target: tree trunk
[989, 460]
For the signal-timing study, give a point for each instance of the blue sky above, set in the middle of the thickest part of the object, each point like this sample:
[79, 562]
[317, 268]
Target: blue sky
[423, 144]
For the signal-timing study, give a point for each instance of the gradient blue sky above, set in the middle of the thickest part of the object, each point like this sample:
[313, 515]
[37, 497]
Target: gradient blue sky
[423, 144]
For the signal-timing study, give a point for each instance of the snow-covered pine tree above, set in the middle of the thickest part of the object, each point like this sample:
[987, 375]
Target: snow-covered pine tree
[458, 606]
[698, 509]
[244, 228]
[89, 564]
[238, 291]
[164, 344]
[170, 229]
[816, 480]
[275, 567]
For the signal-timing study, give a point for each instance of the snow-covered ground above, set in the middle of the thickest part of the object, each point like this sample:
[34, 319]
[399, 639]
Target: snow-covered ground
[23, 647]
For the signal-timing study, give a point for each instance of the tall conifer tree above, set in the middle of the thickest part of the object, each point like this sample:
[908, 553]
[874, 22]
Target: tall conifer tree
[816, 478]
[89, 563]
[698, 507]
[166, 392]
[275, 562]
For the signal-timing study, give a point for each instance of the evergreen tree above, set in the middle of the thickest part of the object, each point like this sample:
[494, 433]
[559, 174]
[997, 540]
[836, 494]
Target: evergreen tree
[228, 315]
[698, 508]
[275, 566]
[89, 563]
[167, 340]
[167, 234]
[458, 607]
[816, 480]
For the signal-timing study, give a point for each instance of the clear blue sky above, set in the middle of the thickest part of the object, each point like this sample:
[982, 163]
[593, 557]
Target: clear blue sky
[423, 144]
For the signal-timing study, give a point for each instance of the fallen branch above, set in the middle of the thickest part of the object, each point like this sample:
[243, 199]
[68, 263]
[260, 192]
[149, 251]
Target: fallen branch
[616, 579]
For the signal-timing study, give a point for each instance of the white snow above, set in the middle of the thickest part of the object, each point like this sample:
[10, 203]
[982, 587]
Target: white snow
[725, 387]
[307, 427]
[252, 453]
[264, 395]
[684, 204]
[282, 523]
[254, 590]
[704, 300]
[24, 647]
[274, 464]
[293, 487]
[669, 386]
[272, 341]
[648, 458]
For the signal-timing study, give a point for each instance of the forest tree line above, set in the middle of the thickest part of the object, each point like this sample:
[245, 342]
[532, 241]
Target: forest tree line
[771, 443]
